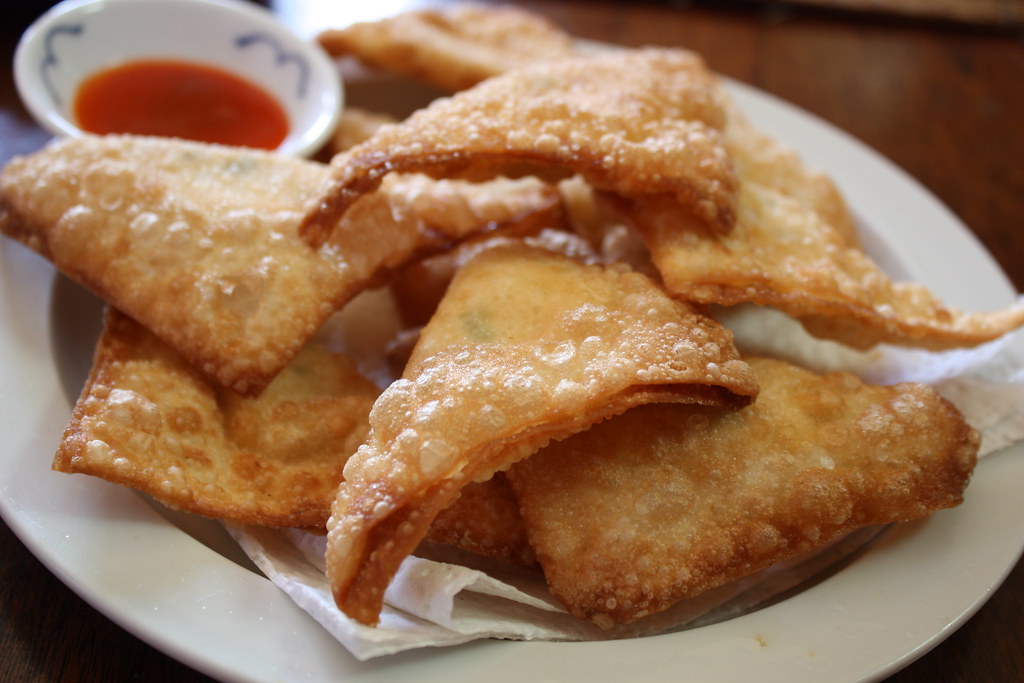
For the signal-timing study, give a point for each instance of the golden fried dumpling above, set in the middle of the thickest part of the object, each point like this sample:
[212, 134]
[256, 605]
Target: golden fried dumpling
[147, 419]
[485, 520]
[453, 48]
[200, 242]
[356, 125]
[526, 346]
[768, 162]
[641, 124]
[665, 502]
[782, 253]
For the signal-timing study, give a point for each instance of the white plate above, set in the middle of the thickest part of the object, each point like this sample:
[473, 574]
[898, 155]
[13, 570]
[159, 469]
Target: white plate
[179, 583]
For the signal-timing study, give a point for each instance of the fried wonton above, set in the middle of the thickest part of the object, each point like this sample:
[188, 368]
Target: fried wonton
[465, 211]
[485, 520]
[526, 346]
[601, 225]
[147, 419]
[665, 502]
[419, 287]
[783, 254]
[199, 242]
[761, 159]
[355, 126]
[641, 124]
[452, 49]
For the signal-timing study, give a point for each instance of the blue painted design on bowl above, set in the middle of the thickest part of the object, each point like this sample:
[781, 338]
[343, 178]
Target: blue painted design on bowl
[50, 56]
[282, 57]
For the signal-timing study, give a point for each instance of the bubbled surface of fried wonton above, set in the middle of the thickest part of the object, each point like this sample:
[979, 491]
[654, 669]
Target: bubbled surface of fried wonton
[452, 49]
[641, 124]
[196, 242]
[356, 125]
[781, 253]
[665, 501]
[763, 160]
[485, 520]
[200, 243]
[526, 346]
[148, 420]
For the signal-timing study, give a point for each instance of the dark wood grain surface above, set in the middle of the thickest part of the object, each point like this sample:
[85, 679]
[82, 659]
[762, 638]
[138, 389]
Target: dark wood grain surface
[942, 100]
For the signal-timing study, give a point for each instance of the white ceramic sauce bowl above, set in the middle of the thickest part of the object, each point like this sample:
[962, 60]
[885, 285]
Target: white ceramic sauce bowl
[77, 38]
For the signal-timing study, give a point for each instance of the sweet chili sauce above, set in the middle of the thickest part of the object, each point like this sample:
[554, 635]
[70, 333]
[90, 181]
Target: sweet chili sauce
[180, 99]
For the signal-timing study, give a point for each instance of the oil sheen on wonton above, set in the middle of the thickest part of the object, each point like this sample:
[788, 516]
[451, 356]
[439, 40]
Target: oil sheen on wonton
[147, 419]
[665, 502]
[526, 346]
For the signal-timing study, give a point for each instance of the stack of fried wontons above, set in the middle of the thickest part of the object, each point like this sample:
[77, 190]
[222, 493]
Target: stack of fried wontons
[553, 234]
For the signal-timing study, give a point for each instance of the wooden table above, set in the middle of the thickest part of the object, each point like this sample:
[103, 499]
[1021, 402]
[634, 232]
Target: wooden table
[941, 100]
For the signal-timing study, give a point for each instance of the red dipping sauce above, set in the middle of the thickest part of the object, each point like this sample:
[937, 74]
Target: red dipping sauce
[180, 99]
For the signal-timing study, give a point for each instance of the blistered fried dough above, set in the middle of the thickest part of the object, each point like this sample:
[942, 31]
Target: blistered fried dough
[461, 209]
[196, 242]
[147, 419]
[355, 126]
[526, 346]
[761, 159]
[419, 287]
[665, 502]
[452, 49]
[641, 124]
[782, 254]
[485, 520]
[600, 223]
[199, 243]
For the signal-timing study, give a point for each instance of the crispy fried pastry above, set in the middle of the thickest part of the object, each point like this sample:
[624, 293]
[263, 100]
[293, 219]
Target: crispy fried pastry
[196, 242]
[601, 225]
[485, 520]
[641, 124]
[199, 243]
[783, 254]
[527, 346]
[667, 501]
[419, 287]
[763, 160]
[452, 49]
[357, 125]
[465, 211]
[147, 419]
